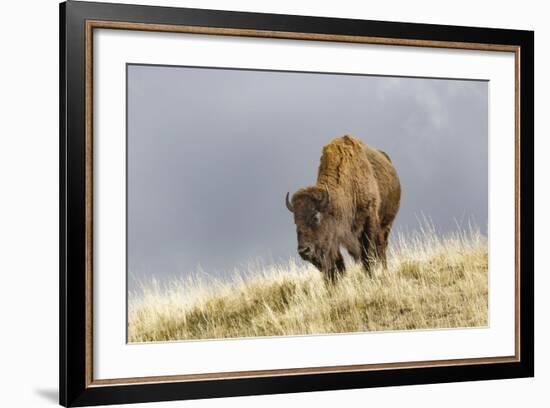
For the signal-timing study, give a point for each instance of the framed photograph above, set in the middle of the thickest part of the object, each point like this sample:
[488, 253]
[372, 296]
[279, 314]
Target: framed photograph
[257, 203]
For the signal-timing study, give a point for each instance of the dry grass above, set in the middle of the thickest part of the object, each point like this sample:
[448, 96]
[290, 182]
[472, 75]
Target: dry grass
[430, 282]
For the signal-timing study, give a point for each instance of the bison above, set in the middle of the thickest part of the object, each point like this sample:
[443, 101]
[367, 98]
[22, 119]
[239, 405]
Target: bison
[353, 205]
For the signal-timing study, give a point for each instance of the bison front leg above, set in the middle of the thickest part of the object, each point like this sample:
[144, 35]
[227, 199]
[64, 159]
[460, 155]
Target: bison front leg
[340, 264]
[334, 270]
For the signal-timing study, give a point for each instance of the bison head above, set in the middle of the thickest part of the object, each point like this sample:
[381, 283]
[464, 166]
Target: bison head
[310, 207]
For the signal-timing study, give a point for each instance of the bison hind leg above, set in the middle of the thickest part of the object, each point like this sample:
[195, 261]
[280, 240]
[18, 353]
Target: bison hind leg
[383, 245]
[370, 246]
[374, 241]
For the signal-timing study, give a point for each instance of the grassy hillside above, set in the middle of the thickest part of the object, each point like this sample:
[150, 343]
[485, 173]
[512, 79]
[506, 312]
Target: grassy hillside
[430, 282]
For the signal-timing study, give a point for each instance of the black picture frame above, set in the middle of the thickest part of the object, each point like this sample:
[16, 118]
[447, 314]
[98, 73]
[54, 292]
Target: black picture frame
[75, 387]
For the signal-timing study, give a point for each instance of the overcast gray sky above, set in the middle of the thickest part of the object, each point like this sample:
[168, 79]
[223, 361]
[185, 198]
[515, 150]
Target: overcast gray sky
[212, 152]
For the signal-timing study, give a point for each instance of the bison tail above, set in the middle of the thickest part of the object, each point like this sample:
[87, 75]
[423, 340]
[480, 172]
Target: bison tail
[385, 154]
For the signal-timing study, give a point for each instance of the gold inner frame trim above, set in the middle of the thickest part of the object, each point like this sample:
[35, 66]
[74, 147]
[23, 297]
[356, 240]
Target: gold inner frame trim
[93, 24]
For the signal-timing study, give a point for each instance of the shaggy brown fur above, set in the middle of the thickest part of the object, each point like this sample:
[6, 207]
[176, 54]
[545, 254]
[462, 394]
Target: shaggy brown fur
[353, 205]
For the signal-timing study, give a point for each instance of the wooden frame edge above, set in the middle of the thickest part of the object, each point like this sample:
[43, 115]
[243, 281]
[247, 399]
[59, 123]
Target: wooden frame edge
[517, 199]
[290, 35]
[89, 205]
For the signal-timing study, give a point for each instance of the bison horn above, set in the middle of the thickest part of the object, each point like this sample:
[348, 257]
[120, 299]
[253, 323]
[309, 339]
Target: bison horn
[288, 203]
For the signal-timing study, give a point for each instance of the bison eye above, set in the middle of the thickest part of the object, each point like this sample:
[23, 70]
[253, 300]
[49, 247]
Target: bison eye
[316, 220]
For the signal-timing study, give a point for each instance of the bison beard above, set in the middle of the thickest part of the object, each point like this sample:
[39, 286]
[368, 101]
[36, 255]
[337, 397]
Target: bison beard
[353, 205]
